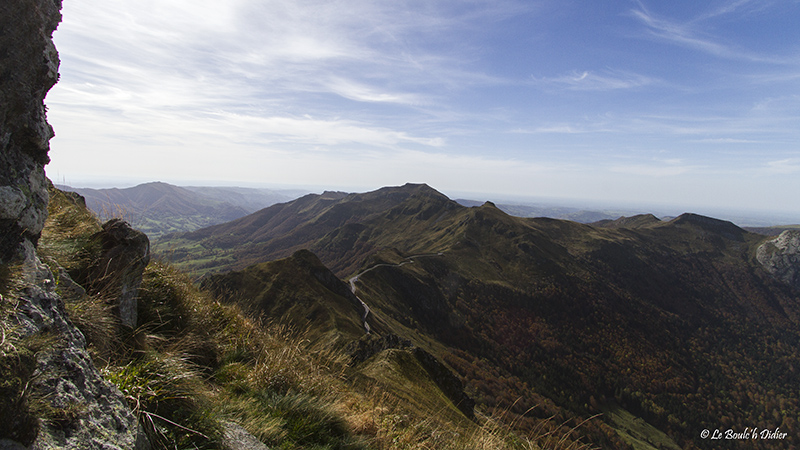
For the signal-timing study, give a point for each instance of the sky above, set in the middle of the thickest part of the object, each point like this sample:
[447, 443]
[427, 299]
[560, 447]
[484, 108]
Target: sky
[686, 103]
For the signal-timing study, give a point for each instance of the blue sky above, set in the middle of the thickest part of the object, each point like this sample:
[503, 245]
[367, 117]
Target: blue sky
[686, 103]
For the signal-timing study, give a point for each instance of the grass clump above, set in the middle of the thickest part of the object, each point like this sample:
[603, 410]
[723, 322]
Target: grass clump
[293, 420]
[67, 235]
[197, 362]
[168, 397]
[18, 420]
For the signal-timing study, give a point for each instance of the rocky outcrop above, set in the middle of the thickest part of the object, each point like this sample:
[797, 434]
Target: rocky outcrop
[28, 69]
[781, 257]
[117, 273]
[369, 345]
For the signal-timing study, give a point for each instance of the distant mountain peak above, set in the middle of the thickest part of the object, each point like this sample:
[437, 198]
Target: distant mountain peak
[416, 186]
[722, 227]
[412, 188]
[637, 221]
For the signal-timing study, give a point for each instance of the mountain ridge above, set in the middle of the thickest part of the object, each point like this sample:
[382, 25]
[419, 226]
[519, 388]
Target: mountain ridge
[336, 220]
[639, 314]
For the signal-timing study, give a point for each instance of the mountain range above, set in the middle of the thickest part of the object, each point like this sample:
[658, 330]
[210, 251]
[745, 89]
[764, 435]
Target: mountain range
[674, 322]
[157, 208]
[395, 319]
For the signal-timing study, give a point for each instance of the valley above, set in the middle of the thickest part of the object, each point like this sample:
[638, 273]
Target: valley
[159, 208]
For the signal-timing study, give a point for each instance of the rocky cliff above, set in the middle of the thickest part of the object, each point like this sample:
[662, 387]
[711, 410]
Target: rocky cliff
[28, 69]
[781, 257]
[52, 395]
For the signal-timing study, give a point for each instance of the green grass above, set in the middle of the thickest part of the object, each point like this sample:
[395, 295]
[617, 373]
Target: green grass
[169, 397]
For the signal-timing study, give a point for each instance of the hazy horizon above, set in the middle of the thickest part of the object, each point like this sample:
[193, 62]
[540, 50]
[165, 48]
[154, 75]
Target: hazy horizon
[627, 102]
[741, 217]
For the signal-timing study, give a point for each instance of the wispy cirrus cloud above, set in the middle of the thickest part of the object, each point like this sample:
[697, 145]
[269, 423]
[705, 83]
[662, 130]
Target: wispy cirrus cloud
[725, 141]
[734, 7]
[692, 34]
[167, 66]
[606, 80]
[321, 90]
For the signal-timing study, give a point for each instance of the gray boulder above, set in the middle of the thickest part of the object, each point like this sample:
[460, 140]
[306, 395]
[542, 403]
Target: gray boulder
[235, 437]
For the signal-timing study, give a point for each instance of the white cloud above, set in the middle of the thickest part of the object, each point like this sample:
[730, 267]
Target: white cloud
[783, 166]
[360, 92]
[336, 91]
[725, 141]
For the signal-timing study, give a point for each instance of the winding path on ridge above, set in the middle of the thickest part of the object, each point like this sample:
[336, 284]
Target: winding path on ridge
[353, 280]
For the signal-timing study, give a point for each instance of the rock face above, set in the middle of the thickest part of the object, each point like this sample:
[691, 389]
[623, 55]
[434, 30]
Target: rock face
[87, 411]
[82, 409]
[781, 257]
[28, 69]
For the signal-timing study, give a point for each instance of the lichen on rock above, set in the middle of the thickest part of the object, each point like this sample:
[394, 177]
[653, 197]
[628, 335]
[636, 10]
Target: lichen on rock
[81, 409]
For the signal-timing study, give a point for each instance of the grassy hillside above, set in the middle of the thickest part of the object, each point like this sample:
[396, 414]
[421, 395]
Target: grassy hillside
[195, 365]
[648, 318]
